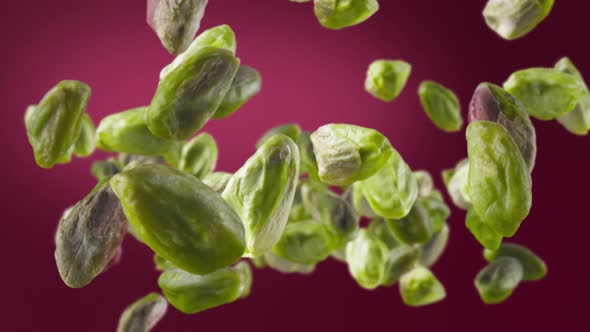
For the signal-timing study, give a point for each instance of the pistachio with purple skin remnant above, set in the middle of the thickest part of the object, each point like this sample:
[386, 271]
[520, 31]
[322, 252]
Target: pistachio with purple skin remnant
[492, 103]
[143, 314]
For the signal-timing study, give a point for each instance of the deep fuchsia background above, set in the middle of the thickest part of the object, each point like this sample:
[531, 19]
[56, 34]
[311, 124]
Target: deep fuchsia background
[312, 76]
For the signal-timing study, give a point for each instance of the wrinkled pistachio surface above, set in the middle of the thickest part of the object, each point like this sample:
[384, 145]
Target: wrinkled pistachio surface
[387, 78]
[143, 314]
[512, 19]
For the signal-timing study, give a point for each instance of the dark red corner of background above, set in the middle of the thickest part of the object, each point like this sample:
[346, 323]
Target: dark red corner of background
[312, 76]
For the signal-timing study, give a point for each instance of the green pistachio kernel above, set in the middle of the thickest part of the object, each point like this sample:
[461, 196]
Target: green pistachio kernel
[84, 145]
[143, 314]
[577, 121]
[500, 186]
[128, 132]
[102, 169]
[199, 156]
[391, 191]
[338, 218]
[217, 180]
[338, 14]
[512, 19]
[162, 264]
[366, 257]
[496, 282]
[246, 84]
[415, 228]
[534, 268]
[89, 235]
[221, 36]
[54, 125]
[431, 251]
[348, 153]
[303, 242]
[488, 238]
[379, 229]
[419, 287]
[309, 164]
[387, 78]
[192, 293]
[441, 105]
[189, 95]
[424, 181]
[291, 130]
[262, 192]
[175, 22]
[180, 218]
[400, 260]
[492, 103]
[360, 203]
[437, 209]
[457, 184]
[546, 93]
[284, 266]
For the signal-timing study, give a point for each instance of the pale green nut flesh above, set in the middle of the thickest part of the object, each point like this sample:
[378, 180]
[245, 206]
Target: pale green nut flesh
[387, 78]
[180, 218]
[54, 125]
[496, 282]
[262, 192]
[441, 106]
[424, 181]
[127, 132]
[221, 36]
[500, 186]
[339, 14]
[84, 145]
[414, 228]
[303, 242]
[457, 182]
[175, 22]
[400, 260]
[89, 235]
[192, 293]
[432, 250]
[366, 257]
[512, 19]
[359, 201]
[191, 93]
[284, 266]
[534, 268]
[217, 180]
[291, 130]
[577, 121]
[246, 84]
[379, 229]
[162, 264]
[348, 153]
[337, 217]
[143, 314]
[546, 93]
[309, 164]
[247, 279]
[484, 234]
[437, 210]
[102, 169]
[492, 103]
[199, 156]
[392, 191]
[420, 287]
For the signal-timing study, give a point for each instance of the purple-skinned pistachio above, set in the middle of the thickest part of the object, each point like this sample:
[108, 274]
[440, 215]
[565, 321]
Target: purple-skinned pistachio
[492, 103]
[89, 236]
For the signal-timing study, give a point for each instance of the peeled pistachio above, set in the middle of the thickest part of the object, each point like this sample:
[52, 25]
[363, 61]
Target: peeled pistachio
[366, 257]
[217, 180]
[360, 203]
[303, 242]
[534, 268]
[89, 235]
[291, 130]
[424, 182]
[175, 22]
[105, 168]
[512, 19]
[457, 185]
[546, 93]
[415, 228]
[84, 145]
[419, 287]
[431, 251]
[437, 210]
[441, 106]
[284, 266]
[246, 84]
[486, 235]
[400, 260]
[199, 156]
[496, 282]
[143, 314]
[338, 14]
[262, 192]
[309, 164]
[577, 121]
[348, 153]
[387, 78]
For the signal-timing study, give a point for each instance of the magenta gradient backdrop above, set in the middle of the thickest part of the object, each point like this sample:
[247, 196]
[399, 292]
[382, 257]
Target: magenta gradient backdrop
[311, 76]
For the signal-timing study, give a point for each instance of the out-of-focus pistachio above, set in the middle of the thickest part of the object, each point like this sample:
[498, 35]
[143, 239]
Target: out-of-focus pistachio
[419, 287]
[217, 180]
[303, 242]
[534, 268]
[431, 251]
[366, 257]
[337, 14]
[387, 78]
[496, 282]
[512, 19]
[246, 84]
[84, 145]
[143, 314]
[199, 156]
[577, 121]
[488, 238]
[415, 228]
